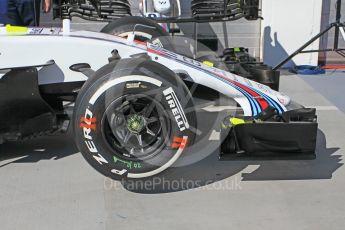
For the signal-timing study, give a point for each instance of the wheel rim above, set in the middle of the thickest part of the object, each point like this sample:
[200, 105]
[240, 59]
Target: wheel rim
[136, 127]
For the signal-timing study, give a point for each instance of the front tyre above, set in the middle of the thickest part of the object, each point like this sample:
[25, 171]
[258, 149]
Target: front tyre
[133, 119]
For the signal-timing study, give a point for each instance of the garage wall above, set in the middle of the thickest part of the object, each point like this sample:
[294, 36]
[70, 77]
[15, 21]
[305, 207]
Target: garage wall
[287, 26]
[328, 16]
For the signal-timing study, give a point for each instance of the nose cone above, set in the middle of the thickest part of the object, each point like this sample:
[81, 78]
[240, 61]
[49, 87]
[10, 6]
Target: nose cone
[283, 99]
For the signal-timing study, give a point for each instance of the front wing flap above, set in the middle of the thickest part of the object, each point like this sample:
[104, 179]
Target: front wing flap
[289, 136]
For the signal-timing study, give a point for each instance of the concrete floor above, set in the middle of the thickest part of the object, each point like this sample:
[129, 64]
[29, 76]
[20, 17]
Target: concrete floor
[46, 184]
[330, 85]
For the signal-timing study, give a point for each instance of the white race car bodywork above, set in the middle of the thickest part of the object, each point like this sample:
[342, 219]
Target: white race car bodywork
[39, 45]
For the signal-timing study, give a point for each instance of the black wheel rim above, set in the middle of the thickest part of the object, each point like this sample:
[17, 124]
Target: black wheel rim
[136, 127]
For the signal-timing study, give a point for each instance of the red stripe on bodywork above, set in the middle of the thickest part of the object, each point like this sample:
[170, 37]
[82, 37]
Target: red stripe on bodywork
[262, 101]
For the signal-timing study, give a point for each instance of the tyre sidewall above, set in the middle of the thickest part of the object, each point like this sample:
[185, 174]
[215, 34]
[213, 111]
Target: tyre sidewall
[92, 143]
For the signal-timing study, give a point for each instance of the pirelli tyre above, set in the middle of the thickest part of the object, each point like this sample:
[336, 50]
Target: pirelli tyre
[133, 119]
[145, 30]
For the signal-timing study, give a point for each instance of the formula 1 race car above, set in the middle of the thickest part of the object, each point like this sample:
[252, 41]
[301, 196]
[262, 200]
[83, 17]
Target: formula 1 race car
[133, 113]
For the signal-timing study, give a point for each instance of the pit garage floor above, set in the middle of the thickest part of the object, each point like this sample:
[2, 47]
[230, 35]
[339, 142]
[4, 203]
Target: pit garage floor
[46, 184]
